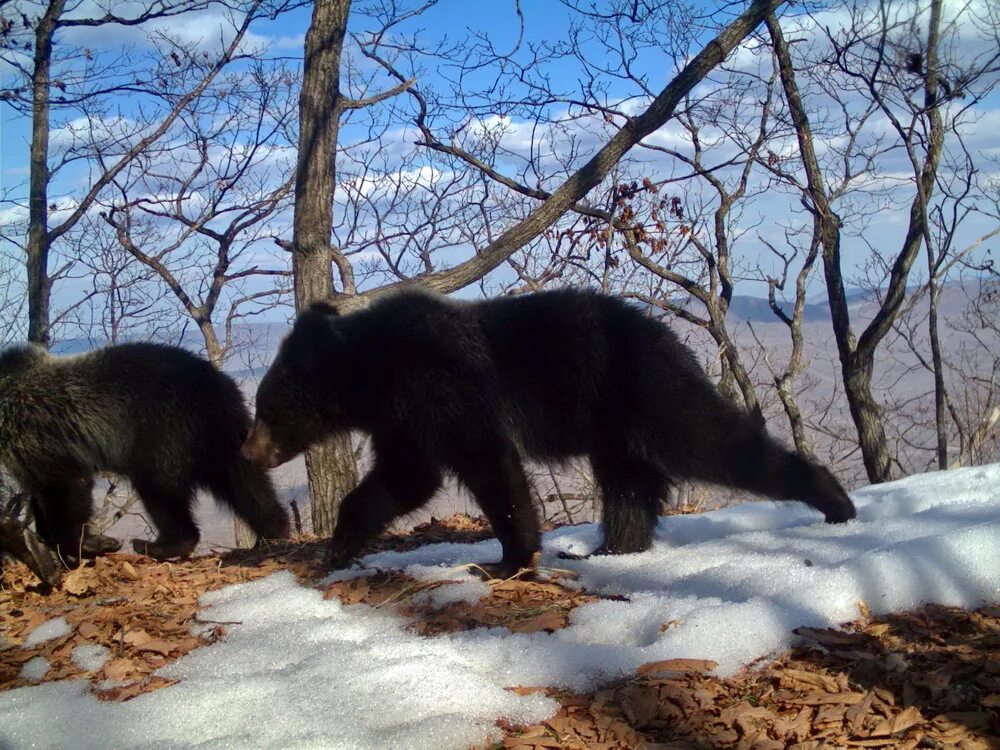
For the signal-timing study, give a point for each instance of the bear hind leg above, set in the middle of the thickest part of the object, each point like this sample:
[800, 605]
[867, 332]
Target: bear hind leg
[170, 512]
[631, 489]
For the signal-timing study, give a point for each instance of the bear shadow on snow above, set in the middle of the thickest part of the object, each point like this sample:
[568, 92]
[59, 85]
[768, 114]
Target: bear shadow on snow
[165, 419]
[472, 387]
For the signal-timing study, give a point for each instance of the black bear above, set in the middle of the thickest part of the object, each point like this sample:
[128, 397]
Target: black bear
[472, 387]
[167, 420]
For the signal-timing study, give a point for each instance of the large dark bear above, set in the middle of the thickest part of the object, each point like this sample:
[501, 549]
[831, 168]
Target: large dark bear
[471, 387]
[167, 420]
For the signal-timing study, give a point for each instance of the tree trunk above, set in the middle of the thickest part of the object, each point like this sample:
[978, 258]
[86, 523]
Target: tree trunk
[934, 148]
[39, 241]
[867, 417]
[330, 465]
[940, 394]
[856, 361]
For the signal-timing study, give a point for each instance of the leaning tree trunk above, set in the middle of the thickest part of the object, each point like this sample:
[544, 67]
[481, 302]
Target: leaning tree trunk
[330, 465]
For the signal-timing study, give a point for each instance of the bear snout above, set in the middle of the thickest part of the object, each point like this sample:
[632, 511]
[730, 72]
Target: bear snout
[258, 448]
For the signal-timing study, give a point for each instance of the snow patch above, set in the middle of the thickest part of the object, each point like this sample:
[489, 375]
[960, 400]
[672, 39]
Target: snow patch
[55, 628]
[90, 657]
[729, 585]
[34, 669]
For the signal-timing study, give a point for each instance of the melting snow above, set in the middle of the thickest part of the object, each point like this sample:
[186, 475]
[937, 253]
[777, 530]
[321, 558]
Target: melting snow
[300, 671]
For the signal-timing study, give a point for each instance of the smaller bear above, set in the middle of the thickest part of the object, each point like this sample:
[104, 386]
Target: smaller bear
[162, 417]
[471, 388]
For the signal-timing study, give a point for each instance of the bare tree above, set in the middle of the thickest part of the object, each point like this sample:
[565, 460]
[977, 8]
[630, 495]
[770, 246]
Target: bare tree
[199, 213]
[57, 75]
[869, 58]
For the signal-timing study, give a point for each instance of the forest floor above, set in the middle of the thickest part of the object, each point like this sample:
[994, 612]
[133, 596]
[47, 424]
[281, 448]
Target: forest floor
[924, 678]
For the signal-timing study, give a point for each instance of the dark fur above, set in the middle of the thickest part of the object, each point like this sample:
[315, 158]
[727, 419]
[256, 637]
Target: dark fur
[472, 387]
[167, 420]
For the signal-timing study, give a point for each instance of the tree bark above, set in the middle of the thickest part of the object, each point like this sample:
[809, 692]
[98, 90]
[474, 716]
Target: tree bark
[330, 465]
[931, 100]
[39, 241]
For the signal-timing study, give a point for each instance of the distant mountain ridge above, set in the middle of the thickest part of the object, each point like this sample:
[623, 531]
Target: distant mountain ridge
[743, 308]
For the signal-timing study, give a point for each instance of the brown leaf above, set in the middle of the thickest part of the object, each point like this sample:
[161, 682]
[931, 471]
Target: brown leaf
[522, 690]
[819, 699]
[899, 723]
[856, 714]
[677, 665]
[158, 646]
[831, 714]
[80, 581]
[119, 669]
[640, 704]
[129, 571]
[797, 728]
[798, 677]
[88, 630]
[829, 637]
[552, 619]
[750, 718]
[136, 638]
[127, 692]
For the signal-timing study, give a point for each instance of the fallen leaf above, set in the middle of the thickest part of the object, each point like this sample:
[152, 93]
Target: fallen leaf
[829, 637]
[552, 619]
[677, 665]
[640, 704]
[865, 610]
[819, 699]
[80, 581]
[129, 571]
[856, 714]
[522, 690]
[119, 669]
[123, 693]
[799, 677]
[898, 723]
[136, 638]
[88, 630]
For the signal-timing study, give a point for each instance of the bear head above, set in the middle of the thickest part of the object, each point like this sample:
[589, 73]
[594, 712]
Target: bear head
[296, 405]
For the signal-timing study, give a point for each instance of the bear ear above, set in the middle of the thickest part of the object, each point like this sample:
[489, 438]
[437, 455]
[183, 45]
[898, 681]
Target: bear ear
[324, 308]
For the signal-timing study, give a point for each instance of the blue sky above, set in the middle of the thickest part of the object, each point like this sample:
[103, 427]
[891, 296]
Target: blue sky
[544, 20]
